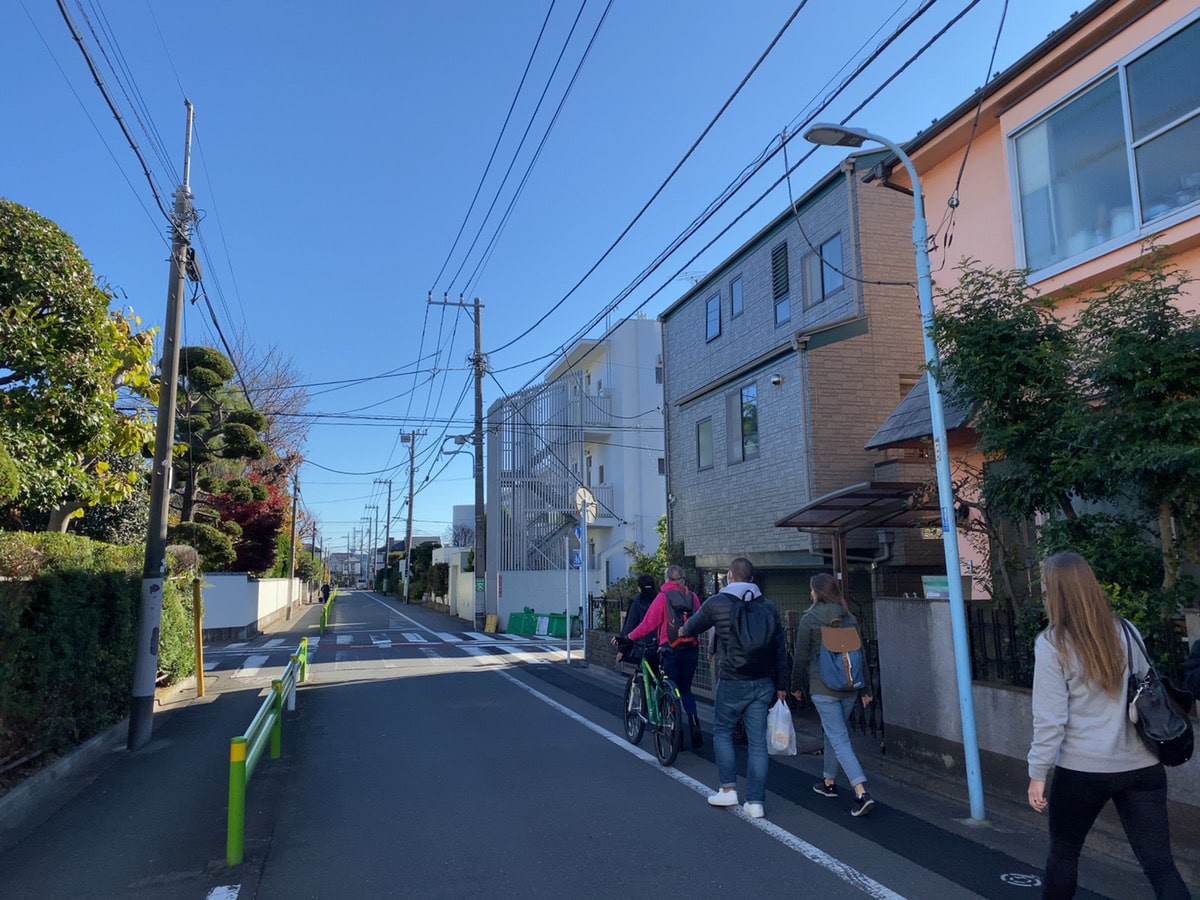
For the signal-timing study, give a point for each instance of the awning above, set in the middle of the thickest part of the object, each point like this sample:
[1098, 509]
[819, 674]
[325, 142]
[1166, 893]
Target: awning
[910, 424]
[869, 504]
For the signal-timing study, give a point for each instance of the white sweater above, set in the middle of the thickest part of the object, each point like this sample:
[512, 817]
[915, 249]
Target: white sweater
[1076, 725]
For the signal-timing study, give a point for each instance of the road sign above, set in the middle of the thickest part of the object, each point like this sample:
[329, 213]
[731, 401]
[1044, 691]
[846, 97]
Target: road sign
[479, 586]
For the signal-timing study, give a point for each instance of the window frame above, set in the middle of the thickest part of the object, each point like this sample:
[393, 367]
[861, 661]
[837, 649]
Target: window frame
[1118, 232]
[781, 285]
[737, 297]
[704, 425]
[711, 305]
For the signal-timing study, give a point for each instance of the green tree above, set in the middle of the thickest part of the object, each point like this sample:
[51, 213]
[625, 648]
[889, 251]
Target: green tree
[66, 360]
[214, 425]
[1105, 409]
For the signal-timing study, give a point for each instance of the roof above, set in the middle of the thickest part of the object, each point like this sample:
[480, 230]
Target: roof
[868, 504]
[910, 423]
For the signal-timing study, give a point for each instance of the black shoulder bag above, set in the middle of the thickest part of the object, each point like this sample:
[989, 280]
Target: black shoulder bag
[1158, 709]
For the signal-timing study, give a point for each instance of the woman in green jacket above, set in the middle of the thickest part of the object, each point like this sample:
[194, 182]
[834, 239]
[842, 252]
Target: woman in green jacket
[828, 605]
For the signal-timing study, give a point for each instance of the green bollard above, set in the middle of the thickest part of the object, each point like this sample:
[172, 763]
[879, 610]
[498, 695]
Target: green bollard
[235, 831]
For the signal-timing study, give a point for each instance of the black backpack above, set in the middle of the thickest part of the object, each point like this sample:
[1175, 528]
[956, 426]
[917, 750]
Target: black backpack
[750, 650]
[679, 609]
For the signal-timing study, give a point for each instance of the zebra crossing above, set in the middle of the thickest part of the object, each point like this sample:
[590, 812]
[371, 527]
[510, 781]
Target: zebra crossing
[257, 658]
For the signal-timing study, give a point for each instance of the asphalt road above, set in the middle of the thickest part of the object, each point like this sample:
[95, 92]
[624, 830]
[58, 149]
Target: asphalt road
[427, 760]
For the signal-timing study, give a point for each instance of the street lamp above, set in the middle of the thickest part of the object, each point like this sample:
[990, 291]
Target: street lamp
[843, 136]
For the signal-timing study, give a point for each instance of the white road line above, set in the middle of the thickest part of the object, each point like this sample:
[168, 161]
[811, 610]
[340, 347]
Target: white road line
[224, 892]
[835, 866]
[209, 665]
[251, 666]
[237, 645]
[449, 638]
[313, 642]
[474, 651]
[395, 612]
[344, 639]
[274, 642]
[382, 642]
[413, 638]
[476, 636]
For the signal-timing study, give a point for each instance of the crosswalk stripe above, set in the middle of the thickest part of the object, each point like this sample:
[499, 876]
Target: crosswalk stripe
[251, 666]
[449, 638]
[413, 638]
[209, 665]
[274, 642]
[345, 639]
[475, 651]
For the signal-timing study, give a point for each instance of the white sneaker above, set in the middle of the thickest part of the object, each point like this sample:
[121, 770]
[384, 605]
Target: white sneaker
[723, 798]
[753, 810]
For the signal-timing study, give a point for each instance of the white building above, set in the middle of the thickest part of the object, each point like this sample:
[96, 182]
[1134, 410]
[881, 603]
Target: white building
[590, 437]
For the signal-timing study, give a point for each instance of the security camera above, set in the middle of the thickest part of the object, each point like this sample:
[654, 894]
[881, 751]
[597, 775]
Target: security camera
[776, 380]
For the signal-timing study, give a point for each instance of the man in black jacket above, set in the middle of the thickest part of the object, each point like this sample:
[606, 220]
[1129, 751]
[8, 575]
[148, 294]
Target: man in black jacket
[752, 671]
[1191, 671]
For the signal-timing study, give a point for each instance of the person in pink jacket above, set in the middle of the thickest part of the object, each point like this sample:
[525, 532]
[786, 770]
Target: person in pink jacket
[680, 655]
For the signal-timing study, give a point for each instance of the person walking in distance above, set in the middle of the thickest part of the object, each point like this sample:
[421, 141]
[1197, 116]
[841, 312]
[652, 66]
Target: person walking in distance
[752, 671]
[671, 608]
[1081, 728]
[833, 706]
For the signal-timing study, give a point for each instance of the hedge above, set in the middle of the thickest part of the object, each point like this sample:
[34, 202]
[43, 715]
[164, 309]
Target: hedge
[68, 632]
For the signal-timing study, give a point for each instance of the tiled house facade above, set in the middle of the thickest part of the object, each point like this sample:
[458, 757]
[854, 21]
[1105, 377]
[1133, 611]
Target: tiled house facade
[779, 366]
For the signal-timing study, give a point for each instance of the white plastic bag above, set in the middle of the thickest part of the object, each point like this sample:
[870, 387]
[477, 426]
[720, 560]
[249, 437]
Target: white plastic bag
[781, 734]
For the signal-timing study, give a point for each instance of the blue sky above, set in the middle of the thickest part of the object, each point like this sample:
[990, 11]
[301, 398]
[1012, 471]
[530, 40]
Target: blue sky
[338, 148]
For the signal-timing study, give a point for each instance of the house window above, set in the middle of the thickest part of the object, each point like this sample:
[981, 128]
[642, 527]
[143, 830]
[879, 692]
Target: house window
[662, 465]
[780, 284]
[712, 317]
[741, 419]
[1113, 158]
[658, 374]
[704, 444]
[822, 271]
[735, 296]
[601, 468]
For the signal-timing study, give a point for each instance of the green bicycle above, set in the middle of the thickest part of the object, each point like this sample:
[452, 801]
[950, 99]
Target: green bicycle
[652, 699]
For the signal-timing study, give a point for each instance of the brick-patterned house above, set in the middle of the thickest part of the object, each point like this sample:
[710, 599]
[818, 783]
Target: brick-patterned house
[778, 368]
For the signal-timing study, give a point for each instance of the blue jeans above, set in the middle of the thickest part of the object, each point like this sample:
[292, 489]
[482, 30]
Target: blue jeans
[834, 713]
[1140, 797]
[748, 700]
[680, 666]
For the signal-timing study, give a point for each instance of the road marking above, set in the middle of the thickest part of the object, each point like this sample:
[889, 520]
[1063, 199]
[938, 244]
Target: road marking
[251, 666]
[209, 665]
[395, 612]
[476, 636]
[237, 645]
[449, 638]
[381, 641]
[344, 639]
[413, 638]
[274, 642]
[812, 853]
[224, 892]
[474, 651]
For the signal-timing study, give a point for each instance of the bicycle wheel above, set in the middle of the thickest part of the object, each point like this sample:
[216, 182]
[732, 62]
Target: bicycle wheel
[634, 706]
[668, 735]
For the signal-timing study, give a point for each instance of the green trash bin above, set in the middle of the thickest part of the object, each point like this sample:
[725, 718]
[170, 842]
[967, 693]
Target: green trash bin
[522, 623]
[558, 625]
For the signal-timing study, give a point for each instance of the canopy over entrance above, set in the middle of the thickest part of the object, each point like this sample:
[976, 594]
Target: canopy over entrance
[868, 504]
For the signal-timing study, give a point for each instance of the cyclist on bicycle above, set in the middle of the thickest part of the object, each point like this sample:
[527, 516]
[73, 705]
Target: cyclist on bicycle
[634, 651]
[680, 655]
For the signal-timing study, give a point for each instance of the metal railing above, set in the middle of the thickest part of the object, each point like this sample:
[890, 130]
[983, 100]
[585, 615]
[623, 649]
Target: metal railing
[245, 750]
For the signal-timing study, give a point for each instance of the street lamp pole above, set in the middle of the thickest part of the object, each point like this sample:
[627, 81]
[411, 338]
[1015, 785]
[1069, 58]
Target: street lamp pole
[845, 136]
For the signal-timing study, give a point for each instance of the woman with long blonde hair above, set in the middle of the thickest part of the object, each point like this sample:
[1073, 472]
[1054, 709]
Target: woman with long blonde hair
[1081, 728]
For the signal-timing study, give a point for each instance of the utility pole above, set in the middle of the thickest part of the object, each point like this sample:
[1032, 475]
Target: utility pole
[371, 543]
[411, 440]
[387, 531]
[145, 670]
[291, 575]
[479, 364]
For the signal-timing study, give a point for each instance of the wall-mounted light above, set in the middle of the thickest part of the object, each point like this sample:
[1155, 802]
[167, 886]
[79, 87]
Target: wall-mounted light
[776, 379]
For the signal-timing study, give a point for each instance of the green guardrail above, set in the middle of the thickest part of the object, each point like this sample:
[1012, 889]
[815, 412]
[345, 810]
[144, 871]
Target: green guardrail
[245, 750]
[328, 608]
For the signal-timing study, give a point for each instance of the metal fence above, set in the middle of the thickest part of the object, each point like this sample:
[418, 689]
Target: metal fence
[999, 651]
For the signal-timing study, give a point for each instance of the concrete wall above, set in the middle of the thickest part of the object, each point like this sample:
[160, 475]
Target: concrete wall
[236, 605]
[924, 722]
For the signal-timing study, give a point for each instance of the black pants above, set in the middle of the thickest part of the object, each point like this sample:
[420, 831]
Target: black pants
[1140, 797]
